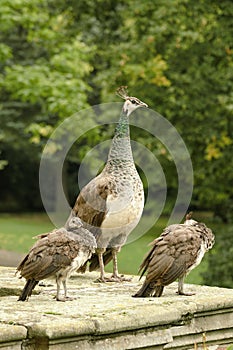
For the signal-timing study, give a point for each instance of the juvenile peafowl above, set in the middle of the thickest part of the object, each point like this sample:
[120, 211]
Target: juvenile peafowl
[56, 254]
[178, 250]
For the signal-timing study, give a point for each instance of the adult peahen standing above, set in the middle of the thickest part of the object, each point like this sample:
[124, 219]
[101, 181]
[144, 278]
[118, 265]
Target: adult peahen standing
[111, 204]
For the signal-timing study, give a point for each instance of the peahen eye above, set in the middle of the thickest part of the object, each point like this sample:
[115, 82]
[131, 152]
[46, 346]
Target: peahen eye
[133, 102]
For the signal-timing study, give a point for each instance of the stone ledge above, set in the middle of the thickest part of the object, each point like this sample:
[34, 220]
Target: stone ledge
[12, 332]
[105, 316]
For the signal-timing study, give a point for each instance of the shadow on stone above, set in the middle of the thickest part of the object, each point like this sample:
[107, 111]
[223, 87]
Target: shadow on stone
[6, 292]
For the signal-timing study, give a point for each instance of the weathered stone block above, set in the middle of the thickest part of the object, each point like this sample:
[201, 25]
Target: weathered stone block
[106, 317]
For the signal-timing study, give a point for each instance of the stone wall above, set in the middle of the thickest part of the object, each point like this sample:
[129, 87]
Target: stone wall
[105, 316]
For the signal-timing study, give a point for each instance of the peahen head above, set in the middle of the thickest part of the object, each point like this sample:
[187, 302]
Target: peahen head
[73, 223]
[131, 103]
[188, 219]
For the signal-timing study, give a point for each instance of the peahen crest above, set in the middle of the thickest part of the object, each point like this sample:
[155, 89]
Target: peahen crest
[122, 92]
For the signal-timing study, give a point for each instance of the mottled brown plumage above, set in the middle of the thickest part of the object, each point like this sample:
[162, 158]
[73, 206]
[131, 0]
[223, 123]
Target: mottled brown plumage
[111, 204]
[178, 250]
[90, 205]
[57, 253]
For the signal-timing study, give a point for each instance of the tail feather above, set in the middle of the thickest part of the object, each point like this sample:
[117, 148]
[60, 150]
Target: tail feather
[145, 291]
[149, 289]
[158, 291]
[27, 290]
[94, 263]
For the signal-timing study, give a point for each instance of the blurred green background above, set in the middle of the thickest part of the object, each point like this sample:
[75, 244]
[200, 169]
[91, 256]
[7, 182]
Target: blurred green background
[17, 232]
[57, 58]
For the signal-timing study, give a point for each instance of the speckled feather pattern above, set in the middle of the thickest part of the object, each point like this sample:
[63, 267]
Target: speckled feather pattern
[174, 253]
[111, 204]
[56, 254]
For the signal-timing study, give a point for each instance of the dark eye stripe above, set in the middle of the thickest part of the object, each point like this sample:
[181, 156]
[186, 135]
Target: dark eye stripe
[134, 101]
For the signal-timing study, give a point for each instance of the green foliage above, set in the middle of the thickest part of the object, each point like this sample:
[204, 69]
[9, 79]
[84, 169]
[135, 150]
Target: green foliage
[51, 71]
[219, 259]
[3, 163]
[43, 79]
[58, 57]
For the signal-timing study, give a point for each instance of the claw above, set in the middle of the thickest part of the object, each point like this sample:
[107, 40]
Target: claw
[187, 294]
[116, 279]
[121, 278]
[63, 299]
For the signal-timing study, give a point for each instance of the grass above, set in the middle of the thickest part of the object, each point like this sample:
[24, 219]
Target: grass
[17, 231]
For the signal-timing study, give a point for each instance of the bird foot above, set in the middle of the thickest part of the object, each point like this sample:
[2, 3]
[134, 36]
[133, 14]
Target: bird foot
[121, 278]
[113, 278]
[103, 280]
[185, 293]
[63, 299]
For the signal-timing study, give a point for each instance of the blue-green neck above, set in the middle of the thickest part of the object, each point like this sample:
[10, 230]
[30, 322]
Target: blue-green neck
[122, 128]
[120, 150]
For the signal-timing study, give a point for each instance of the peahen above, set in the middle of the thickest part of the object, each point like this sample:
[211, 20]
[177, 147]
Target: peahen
[178, 250]
[56, 254]
[111, 204]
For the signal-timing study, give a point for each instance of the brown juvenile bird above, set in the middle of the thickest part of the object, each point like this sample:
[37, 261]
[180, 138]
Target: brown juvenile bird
[57, 253]
[178, 250]
[111, 204]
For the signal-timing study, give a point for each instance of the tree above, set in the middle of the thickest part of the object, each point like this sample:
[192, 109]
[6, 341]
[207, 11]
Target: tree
[58, 58]
[43, 80]
[219, 259]
[177, 56]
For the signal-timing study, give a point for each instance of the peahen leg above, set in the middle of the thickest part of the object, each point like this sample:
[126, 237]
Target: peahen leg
[61, 281]
[100, 252]
[181, 287]
[115, 275]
